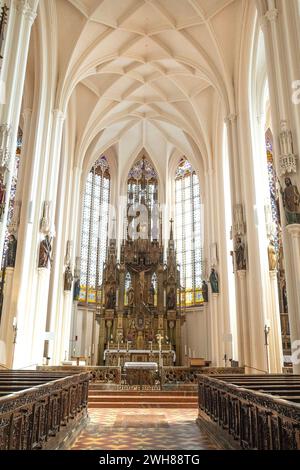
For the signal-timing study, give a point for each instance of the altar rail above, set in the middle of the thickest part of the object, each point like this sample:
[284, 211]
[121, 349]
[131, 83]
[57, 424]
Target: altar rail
[42, 416]
[189, 375]
[251, 418]
[100, 374]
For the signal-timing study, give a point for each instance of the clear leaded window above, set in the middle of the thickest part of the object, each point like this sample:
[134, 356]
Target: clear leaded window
[188, 232]
[94, 230]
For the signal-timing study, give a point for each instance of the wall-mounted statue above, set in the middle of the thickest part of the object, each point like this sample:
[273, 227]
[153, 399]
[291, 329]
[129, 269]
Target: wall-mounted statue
[11, 251]
[272, 256]
[205, 291]
[76, 290]
[171, 299]
[2, 197]
[130, 296]
[151, 294]
[68, 279]
[291, 202]
[240, 256]
[45, 252]
[214, 281]
[110, 299]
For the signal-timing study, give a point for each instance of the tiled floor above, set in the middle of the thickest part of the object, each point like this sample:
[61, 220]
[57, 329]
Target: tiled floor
[143, 429]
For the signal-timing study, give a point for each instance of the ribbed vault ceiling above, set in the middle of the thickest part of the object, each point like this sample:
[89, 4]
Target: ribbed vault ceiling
[148, 73]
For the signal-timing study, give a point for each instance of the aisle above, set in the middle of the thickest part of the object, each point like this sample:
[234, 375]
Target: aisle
[143, 429]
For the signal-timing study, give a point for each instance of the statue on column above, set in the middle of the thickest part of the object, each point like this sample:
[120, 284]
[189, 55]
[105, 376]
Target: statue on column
[76, 290]
[205, 291]
[11, 251]
[68, 280]
[171, 299]
[240, 257]
[130, 296]
[291, 202]
[2, 197]
[110, 299]
[45, 252]
[272, 256]
[214, 281]
[151, 294]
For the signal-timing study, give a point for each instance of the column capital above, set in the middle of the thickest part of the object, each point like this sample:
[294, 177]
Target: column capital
[293, 230]
[241, 274]
[272, 15]
[273, 275]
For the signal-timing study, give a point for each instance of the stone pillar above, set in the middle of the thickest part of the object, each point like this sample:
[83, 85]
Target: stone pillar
[6, 326]
[215, 330]
[39, 321]
[66, 315]
[20, 21]
[275, 338]
[294, 314]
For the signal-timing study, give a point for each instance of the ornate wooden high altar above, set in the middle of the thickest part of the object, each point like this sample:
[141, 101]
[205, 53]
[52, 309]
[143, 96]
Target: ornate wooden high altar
[141, 319]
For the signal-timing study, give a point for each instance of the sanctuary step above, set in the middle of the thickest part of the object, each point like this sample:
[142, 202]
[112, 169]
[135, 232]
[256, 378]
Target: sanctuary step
[140, 399]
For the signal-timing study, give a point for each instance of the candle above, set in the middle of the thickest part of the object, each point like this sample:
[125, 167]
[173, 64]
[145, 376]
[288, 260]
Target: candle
[185, 350]
[190, 353]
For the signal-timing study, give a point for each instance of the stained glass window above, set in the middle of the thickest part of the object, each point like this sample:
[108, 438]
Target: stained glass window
[94, 230]
[188, 232]
[142, 197]
[13, 189]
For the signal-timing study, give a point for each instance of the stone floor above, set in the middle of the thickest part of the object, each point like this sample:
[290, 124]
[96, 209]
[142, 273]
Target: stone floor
[143, 429]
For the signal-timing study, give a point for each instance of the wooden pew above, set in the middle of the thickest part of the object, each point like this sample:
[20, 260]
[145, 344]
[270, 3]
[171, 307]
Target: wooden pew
[41, 410]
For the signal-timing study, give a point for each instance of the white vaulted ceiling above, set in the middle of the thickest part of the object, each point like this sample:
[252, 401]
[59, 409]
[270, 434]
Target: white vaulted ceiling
[148, 73]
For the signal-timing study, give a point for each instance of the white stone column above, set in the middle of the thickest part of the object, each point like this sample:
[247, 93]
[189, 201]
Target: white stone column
[215, 329]
[6, 326]
[275, 337]
[280, 25]
[243, 326]
[294, 314]
[66, 326]
[21, 18]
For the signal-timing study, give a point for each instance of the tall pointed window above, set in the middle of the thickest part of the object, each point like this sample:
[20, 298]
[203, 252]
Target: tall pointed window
[188, 231]
[94, 230]
[142, 196]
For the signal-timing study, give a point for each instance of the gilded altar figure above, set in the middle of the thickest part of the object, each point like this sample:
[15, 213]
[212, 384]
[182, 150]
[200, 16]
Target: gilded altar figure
[240, 257]
[11, 251]
[151, 294]
[45, 252]
[130, 296]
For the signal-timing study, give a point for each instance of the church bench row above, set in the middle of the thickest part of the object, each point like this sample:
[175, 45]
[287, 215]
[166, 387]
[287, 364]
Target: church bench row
[44, 415]
[243, 413]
